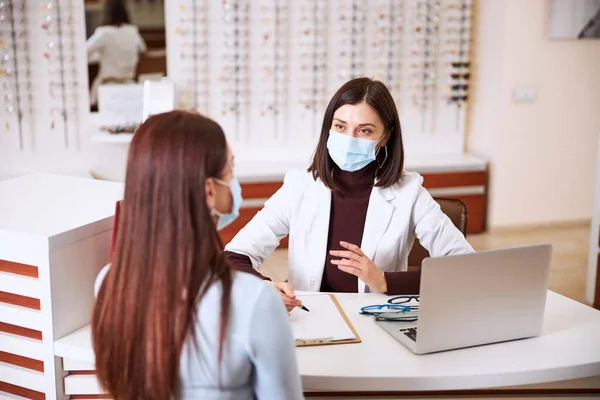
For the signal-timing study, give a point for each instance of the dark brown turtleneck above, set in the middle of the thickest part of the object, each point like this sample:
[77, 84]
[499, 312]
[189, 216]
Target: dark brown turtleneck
[349, 205]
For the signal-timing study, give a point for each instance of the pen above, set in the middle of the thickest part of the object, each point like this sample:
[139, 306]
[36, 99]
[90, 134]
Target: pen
[302, 307]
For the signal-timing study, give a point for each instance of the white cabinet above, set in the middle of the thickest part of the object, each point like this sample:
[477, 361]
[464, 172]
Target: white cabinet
[55, 234]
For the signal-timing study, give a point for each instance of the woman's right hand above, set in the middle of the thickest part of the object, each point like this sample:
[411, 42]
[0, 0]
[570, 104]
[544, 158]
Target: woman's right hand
[287, 294]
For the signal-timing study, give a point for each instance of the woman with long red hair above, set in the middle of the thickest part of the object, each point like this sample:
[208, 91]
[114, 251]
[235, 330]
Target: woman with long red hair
[172, 319]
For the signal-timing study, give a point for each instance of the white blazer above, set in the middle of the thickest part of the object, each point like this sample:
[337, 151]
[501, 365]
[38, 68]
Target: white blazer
[117, 48]
[395, 216]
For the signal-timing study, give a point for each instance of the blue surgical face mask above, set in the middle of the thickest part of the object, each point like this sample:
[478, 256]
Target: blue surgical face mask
[236, 202]
[350, 153]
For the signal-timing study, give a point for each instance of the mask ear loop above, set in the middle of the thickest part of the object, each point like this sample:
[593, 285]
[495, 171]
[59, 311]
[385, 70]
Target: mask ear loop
[380, 165]
[214, 211]
[222, 182]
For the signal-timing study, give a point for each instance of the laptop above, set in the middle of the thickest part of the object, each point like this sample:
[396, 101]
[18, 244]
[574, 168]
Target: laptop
[476, 299]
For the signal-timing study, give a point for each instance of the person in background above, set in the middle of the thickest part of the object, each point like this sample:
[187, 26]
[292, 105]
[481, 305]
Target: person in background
[172, 319]
[116, 44]
[353, 216]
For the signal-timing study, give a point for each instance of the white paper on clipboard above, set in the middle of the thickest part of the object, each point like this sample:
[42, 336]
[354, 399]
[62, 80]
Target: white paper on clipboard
[323, 321]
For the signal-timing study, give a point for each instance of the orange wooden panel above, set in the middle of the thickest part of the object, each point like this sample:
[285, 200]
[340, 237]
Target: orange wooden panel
[20, 331]
[454, 179]
[21, 361]
[18, 300]
[260, 190]
[82, 372]
[246, 214]
[21, 391]
[19, 269]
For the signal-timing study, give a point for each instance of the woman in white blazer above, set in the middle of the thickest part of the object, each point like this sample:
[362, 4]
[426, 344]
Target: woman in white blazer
[116, 44]
[353, 216]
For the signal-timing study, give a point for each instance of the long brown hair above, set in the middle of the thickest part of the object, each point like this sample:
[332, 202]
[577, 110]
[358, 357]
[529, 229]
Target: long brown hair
[115, 13]
[377, 95]
[167, 254]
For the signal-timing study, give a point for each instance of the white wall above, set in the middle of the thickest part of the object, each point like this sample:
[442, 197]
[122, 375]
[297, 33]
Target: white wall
[542, 154]
[44, 148]
[47, 145]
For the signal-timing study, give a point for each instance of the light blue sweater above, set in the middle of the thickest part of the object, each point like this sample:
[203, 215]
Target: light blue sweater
[259, 359]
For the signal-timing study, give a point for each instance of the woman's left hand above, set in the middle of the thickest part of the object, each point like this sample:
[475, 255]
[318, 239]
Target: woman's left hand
[355, 262]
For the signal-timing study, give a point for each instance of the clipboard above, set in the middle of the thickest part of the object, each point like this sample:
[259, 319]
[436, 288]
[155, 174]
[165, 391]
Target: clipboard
[325, 340]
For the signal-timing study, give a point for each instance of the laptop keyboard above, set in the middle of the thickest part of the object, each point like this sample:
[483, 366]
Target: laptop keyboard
[410, 332]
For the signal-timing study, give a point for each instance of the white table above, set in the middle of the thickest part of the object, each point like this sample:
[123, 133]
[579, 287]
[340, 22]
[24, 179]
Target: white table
[568, 349]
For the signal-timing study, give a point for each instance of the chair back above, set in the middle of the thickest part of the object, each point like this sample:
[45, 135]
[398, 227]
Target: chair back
[456, 210]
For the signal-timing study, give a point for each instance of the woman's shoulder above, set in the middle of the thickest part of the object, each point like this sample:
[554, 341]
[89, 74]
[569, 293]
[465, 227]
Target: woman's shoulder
[116, 29]
[243, 284]
[246, 283]
[408, 185]
[298, 176]
[249, 290]
[245, 289]
[101, 31]
[129, 27]
[106, 28]
[249, 294]
[297, 181]
[100, 278]
[409, 180]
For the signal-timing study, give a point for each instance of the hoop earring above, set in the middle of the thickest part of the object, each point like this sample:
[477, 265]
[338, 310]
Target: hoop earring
[384, 159]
